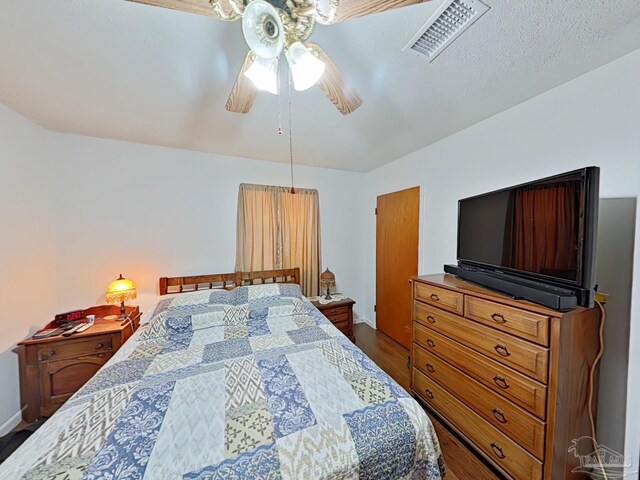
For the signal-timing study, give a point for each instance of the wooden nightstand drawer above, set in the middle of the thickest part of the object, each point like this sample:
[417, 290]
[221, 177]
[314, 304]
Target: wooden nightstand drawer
[342, 317]
[332, 313]
[74, 348]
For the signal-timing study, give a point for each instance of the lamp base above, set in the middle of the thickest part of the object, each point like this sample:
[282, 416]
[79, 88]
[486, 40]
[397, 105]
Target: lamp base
[328, 295]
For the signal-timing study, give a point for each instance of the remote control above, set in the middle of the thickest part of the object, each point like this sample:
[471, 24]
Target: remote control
[68, 333]
[84, 327]
[52, 332]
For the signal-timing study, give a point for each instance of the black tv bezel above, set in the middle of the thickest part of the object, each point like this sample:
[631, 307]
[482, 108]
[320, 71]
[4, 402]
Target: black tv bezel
[586, 245]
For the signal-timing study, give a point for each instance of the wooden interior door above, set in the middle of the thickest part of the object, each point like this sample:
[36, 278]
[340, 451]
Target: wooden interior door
[397, 232]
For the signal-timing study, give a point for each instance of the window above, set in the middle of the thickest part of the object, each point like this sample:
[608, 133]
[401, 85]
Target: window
[279, 229]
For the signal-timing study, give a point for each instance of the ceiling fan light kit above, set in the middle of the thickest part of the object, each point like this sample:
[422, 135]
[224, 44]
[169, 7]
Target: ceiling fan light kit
[263, 72]
[272, 26]
[263, 29]
[306, 68]
[266, 36]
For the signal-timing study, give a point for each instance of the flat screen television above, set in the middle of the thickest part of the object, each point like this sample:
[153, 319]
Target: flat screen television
[541, 234]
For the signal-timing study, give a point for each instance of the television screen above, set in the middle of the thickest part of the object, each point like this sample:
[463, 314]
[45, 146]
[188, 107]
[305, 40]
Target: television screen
[538, 228]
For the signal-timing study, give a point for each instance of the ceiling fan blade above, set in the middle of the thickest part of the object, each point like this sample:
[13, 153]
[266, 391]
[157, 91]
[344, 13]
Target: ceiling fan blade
[348, 9]
[334, 86]
[244, 92]
[201, 7]
[222, 9]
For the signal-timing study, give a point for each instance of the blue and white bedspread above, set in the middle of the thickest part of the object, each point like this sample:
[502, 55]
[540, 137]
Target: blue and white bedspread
[252, 383]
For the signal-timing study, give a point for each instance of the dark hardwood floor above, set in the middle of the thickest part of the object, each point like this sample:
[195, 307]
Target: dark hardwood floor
[462, 464]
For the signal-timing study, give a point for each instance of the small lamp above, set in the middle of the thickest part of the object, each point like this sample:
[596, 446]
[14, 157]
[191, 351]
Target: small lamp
[119, 291]
[327, 279]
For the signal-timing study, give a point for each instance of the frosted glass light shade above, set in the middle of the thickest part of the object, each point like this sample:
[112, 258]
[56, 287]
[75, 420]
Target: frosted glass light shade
[263, 29]
[306, 68]
[263, 73]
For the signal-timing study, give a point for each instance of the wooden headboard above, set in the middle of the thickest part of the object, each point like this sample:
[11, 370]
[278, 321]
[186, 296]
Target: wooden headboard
[227, 281]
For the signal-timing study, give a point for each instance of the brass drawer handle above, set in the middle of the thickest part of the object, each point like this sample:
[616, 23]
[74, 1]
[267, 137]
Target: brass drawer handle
[430, 319]
[431, 343]
[99, 346]
[498, 318]
[429, 394]
[434, 297]
[430, 368]
[499, 415]
[501, 382]
[52, 353]
[502, 350]
[498, 451]
[101, 355]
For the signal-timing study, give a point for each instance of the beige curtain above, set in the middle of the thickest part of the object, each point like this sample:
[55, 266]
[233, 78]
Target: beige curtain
[279, 229]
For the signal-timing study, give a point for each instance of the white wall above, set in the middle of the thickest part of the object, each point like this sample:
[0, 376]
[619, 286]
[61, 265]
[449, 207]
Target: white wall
[632, 432]
[592, 120]
[27, 256]
[147, 212]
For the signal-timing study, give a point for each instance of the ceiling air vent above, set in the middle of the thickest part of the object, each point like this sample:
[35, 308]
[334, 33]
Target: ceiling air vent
[445, 25]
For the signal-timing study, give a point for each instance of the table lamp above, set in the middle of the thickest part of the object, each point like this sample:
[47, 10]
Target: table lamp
[327, 279]
[119, 291]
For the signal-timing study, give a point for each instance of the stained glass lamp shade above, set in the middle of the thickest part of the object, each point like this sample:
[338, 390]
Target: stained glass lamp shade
[120, 291]
[327, 279]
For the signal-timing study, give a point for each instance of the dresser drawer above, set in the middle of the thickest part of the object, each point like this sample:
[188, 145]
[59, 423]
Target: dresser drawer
[519, 425]
[522, 323]
[518, 388]
[495, 444]
[525, 357]
[440, 297]
[73, 348]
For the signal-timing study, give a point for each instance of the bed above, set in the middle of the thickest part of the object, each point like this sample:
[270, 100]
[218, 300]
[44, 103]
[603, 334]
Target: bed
[234, 376]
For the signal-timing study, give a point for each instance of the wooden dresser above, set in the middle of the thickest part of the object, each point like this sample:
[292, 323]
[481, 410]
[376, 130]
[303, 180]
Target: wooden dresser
[510, 377]
[52, 369]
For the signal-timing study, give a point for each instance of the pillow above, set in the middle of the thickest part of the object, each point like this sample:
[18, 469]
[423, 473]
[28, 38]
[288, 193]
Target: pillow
[188, 318]
[209, 308]
[192, 298]
[255, 292]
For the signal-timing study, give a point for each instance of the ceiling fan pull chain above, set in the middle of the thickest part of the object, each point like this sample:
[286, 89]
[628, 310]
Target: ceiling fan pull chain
[290, 135]
[279, 74]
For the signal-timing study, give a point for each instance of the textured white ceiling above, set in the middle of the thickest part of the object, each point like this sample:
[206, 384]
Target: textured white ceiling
[115, 69]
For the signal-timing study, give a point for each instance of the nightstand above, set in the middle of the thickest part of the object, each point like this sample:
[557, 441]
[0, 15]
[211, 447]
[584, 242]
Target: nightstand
[341, 315]
[53, 369]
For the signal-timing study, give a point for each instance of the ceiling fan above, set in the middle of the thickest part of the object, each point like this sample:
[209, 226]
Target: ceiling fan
[271, 27]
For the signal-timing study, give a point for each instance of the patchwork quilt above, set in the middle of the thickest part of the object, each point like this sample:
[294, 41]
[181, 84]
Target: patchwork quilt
[252, 383]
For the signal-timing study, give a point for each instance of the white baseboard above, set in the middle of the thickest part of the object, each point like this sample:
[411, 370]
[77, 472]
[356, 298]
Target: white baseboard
[10, 424]
[371, 323]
